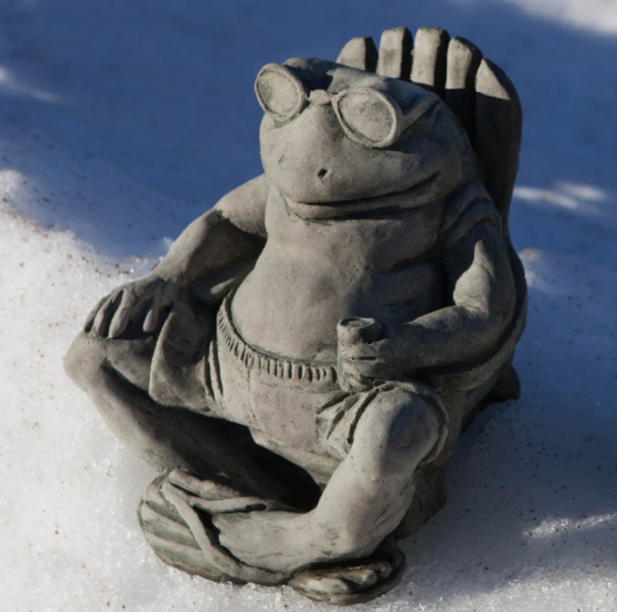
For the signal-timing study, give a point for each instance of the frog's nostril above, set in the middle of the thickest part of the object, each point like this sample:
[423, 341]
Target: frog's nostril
[322, 173]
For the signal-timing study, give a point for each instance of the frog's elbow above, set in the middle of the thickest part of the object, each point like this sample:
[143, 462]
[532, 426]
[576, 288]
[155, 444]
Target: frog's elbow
[501, 308]
[500, 305]
[487, 291]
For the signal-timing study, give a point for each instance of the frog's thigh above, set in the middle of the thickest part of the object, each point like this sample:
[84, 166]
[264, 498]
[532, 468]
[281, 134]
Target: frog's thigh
[286, 410]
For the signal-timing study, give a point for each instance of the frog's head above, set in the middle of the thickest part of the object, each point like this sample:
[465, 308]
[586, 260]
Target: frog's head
[332, 133]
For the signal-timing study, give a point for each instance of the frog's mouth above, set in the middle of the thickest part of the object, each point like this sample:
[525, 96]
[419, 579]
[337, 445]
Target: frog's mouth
[423, 192]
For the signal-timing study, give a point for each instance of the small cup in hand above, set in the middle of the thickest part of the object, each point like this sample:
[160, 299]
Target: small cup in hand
[352, 332]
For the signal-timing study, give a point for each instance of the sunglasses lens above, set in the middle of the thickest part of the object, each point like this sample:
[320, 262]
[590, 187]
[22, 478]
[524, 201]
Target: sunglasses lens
[278, 93]
[369, 116]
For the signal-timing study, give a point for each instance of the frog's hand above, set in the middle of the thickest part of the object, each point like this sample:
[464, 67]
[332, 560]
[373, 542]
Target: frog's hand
[478, 92]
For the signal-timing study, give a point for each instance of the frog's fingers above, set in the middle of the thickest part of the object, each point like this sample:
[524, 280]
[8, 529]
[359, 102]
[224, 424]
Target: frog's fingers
[429, 59]
[463, 62]
[360, 53]
[395, 54]
[153, 311]
[126, 311]
[89, 322]
[104, 315]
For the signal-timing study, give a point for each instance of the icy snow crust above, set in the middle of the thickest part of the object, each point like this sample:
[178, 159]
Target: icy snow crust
[123, 121]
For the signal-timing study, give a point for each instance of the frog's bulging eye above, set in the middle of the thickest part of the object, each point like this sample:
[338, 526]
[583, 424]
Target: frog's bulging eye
[369, 117]
[279, 92]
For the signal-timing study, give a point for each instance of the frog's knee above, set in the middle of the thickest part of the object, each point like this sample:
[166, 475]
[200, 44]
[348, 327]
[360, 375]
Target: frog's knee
[89, 355]
[400, 427]
[85, 359]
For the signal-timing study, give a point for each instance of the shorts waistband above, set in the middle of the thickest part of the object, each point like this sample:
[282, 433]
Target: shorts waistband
[285, 369]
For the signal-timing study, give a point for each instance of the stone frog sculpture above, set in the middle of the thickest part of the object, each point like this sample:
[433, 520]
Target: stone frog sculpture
[301, 364]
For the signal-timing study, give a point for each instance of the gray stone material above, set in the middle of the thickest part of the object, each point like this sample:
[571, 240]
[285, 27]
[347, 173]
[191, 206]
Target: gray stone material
[430, 59]
[301, 364]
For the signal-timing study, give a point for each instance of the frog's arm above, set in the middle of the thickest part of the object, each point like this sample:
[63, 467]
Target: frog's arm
[483, 299]
[221, 245]
[483, 295]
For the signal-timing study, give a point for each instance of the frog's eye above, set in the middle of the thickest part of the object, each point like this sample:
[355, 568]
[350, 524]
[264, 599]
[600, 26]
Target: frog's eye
[369, 117]
[279, 92]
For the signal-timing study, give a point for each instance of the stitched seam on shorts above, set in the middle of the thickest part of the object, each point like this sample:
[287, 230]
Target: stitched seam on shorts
[285, 369]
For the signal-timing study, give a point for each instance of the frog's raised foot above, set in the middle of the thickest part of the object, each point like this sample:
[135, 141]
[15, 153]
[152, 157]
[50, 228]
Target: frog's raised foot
[179, 528]
[171, 538]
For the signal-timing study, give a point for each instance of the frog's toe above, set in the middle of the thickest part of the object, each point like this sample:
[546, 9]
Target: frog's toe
[179, 527]
[171, 538]
[360, 581]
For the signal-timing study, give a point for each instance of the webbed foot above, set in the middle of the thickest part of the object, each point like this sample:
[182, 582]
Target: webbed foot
[176, 517]
[170, 536]
[278, 541]
[200, 526]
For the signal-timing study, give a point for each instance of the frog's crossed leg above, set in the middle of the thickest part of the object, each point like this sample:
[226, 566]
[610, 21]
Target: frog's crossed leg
[178, 514]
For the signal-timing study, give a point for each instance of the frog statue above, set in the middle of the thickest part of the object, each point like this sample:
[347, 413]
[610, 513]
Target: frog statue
[301, 364]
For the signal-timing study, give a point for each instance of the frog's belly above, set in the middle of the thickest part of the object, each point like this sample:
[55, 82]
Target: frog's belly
[294, 313]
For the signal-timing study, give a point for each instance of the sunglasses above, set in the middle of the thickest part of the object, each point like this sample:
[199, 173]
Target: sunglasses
[369, 117]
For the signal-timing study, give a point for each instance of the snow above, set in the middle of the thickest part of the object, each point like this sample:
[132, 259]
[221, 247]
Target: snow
[122, 121]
